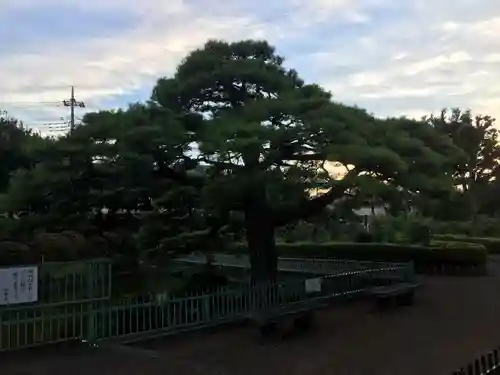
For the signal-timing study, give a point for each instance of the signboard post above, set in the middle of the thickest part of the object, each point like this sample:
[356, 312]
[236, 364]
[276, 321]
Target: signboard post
[18, 285]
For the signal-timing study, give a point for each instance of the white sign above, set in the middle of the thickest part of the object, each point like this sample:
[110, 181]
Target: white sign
[18, 285]
[313, 285]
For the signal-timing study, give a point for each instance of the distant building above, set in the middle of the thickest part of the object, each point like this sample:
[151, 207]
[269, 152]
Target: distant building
[371, 211]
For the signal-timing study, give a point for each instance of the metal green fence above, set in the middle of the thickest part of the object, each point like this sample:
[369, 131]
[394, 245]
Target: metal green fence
[487, 364]
[289, 264]
[77, 281]
[89, 314]
[332, 266]
[139, 320]
[67, 293]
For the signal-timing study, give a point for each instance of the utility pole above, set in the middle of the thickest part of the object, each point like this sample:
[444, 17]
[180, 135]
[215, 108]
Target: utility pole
[72, 103]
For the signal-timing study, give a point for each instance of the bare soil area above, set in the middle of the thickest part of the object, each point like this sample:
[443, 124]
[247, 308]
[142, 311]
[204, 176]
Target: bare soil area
[453, 321]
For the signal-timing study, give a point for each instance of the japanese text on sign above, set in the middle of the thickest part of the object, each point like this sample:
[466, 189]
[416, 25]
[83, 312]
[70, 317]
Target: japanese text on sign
[18, 285]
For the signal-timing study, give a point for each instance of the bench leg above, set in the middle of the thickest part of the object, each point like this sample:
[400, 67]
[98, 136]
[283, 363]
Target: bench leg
[406, 299]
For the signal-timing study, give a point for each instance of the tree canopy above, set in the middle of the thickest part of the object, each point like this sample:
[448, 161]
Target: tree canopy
[232, 141]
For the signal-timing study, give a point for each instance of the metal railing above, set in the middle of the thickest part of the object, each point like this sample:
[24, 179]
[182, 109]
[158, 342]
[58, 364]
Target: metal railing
[90, 314]
[487, 364]
[66, 292]
[76, 281]
[288, 264]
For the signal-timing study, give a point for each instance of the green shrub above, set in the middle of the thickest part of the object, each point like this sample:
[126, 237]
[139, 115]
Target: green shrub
[384, 229]
[364, 237]
[419, 233]
[12, 253]
[481, 227]
[492, 244]
[403, 230]
[438, 253]
[443, 244]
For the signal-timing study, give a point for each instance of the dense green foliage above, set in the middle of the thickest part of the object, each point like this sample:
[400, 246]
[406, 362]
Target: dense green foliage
[231, 147]
[476, 175]
[64, 246]
[480, 227]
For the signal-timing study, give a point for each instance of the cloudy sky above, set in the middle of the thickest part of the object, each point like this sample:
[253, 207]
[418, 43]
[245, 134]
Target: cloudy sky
[390, 56]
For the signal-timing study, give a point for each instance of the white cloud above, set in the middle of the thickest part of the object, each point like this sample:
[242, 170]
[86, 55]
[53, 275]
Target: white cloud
[145, 7]
[389, 56]
[100, 68]
[448, 63]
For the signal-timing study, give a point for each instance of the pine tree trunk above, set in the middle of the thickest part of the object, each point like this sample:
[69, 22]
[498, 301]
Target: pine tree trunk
[260, 238]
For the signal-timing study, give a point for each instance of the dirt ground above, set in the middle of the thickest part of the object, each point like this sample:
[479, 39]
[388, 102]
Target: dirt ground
[453, 321]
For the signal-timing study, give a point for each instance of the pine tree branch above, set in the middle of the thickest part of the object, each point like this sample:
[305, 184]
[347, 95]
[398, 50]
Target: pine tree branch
[314, 206]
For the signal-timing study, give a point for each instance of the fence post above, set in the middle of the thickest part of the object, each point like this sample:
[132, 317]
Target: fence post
[409, 274]
[89, 329]
[207, 317]
[477, 367]
[489, 360]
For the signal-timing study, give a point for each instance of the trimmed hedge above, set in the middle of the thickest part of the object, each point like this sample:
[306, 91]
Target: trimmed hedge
[440, 255]
[481, 227]
[492, 244]
[60, 247]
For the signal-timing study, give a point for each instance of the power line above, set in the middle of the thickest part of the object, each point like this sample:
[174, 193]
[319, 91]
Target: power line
[53, 125]
[54, 131]
[71, 102]
[28, 103]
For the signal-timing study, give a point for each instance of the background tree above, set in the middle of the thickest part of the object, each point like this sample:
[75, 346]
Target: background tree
[13, 153]
[477, 137]
[20, 149]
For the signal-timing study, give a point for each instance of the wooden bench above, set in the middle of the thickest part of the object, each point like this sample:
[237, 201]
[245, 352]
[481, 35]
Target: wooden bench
[287, 319]
[402, 293]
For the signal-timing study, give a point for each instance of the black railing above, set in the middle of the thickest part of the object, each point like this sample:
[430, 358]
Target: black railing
[487, 364]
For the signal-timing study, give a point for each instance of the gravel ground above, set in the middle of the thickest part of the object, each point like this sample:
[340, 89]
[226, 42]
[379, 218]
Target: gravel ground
[453, 321]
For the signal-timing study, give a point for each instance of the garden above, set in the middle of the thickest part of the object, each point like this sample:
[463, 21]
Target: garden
[236, 154]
